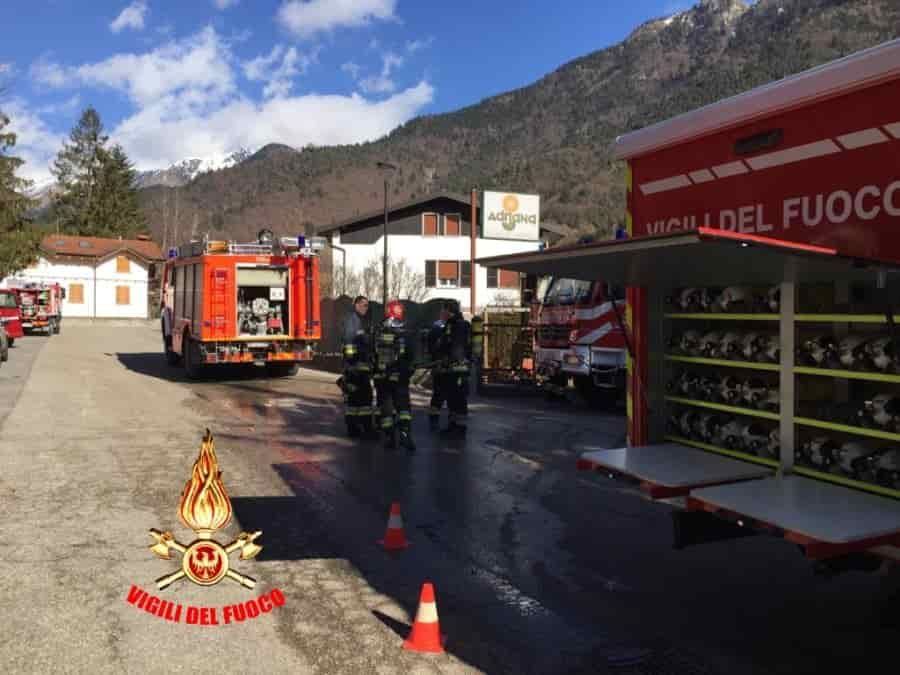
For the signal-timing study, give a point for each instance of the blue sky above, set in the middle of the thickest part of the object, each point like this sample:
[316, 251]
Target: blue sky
[202, 78]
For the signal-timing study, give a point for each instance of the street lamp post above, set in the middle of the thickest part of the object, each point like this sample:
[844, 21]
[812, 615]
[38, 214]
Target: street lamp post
[384, 261]
[343, 265]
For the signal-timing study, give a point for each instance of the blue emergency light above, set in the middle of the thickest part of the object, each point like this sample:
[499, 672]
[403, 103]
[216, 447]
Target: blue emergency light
[173, 252]
[301, 241]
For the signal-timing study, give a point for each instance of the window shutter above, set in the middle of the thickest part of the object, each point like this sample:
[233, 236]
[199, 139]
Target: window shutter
[451, 225]
[465, 274]
[448, 269]
[429, 224]
[509, 279]
[430, 274]
[123, 264]
[123, 295]
[76, 294]
[492, 277]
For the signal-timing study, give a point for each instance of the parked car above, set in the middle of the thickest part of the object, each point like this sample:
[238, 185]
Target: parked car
[11, 316]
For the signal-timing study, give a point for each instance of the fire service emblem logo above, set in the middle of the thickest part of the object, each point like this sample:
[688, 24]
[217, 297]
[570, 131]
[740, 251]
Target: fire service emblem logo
[205, 508]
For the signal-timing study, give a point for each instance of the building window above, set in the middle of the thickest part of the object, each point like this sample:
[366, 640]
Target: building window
[448, 273]
[430, 273]
[429, 224]
[451, 225]
[509, 279]
[465, 274]
[492, 277]
[123, 265]
[76, 294]
[123, 295]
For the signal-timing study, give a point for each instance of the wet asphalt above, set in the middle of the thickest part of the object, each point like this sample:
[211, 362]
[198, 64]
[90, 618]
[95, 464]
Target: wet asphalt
[540, 568]
[537, 568]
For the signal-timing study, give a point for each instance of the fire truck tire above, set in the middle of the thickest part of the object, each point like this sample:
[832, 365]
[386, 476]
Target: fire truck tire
[57, 326]
[11, 342]
[192, 369]
[282, 369]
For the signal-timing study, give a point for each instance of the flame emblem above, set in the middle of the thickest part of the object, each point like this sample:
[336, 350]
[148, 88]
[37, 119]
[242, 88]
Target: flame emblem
[205, 508]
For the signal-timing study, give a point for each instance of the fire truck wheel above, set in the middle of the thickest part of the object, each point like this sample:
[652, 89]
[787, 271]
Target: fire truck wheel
[57, 326]
[191, 367]
[282, 369]
[11, 342]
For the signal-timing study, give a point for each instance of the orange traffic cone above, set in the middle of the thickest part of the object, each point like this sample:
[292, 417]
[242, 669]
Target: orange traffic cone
[394, 538]
[426, 630]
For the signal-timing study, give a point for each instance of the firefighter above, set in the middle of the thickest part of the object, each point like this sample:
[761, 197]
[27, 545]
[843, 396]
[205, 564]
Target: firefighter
[393, 368]
[455, 352]
[439, 374]
[356, 383]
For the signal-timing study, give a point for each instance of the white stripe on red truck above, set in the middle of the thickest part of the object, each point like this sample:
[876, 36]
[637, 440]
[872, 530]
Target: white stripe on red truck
[851, 141]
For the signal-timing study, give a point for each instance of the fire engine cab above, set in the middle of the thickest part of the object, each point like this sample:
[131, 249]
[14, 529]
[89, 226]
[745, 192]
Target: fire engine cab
[257, 303]
[763, 264]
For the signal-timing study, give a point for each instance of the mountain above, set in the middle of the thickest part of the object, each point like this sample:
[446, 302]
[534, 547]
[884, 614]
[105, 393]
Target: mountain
[183, 172]
[553, 137]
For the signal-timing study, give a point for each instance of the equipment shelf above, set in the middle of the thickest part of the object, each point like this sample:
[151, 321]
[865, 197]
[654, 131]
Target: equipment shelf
[847, 374]
[737, 454]
[859, 431]
[721, 407]
[773, 367]
[722, 316]
[849, 482]
[840, 318]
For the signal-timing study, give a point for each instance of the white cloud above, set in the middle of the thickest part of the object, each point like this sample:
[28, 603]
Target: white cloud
[225, 4]
[130, 17]
[382, 83]
[278, 69]
[165, 132]
[36, 143]
[413, 46]
[186, 102]
[6, 69]
[51, 74]
[353, 69]
[201, 63]
[305, 18]
[70, 105]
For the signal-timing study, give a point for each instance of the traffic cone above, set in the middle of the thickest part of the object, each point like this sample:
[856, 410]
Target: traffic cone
[426, 630]
[394, 538]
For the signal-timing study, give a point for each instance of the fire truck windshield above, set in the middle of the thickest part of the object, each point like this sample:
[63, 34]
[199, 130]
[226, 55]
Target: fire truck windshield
[568, 292]
[7, 301]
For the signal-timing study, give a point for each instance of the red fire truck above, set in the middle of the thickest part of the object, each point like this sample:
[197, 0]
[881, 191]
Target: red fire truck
[256, 303]
[41, 306]
[579, 337]
[762, 268]
[10, 315]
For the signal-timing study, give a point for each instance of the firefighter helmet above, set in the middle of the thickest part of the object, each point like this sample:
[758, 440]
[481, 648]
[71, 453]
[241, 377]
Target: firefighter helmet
[887, 467]
[750, 345]
[819, 451]
[708, 298]
[774, 445]
[709, 344]
[729, 347]
[686, 422]
[773, 299]
[689, 342]
[852, 351]
[730, 434]
[687, 299]
[882, 411]
[852, 458]
[754, 437]
[882, 352]
[707, 386]
[818, 350]
[707, 426]
[730, 389]
[733, 298]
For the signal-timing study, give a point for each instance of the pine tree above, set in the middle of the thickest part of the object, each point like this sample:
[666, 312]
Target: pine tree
[76, 169]
[114, 210]
[18, 242]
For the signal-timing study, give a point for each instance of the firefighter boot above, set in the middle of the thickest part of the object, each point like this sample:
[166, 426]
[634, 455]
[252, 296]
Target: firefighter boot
[390, 437]
[353, 430]
[406, 439]
[434, 421]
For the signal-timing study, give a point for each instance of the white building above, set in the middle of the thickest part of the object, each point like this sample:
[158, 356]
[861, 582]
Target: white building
[102, 278]
[433, 236]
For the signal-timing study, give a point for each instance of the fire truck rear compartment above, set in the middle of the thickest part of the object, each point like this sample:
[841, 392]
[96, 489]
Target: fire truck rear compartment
[263, 306]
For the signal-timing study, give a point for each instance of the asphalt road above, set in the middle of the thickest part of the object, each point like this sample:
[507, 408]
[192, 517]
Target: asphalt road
[14, 373]
[537, 568]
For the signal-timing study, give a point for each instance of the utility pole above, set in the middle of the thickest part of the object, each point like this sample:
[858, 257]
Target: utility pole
[474, 234]
[387, 168]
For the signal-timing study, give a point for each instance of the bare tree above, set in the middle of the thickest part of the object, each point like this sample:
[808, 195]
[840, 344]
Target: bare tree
[404, 282]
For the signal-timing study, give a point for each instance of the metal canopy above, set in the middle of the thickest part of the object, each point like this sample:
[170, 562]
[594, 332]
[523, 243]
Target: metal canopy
[701, 257]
